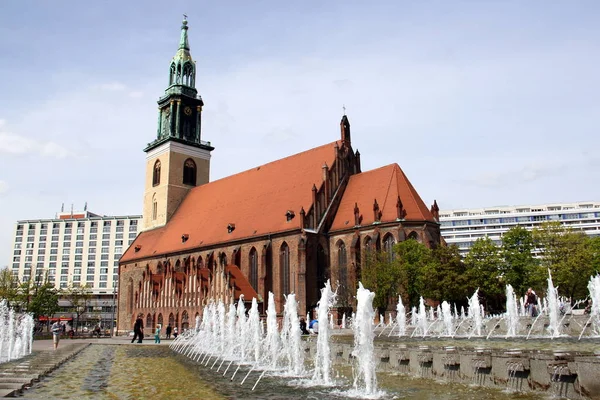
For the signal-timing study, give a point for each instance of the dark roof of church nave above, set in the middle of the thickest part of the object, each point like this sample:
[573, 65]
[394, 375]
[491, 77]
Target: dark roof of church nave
[256, 202]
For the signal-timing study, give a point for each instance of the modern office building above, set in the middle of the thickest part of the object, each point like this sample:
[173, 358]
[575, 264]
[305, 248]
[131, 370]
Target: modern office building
[78, 248]
[464, 226]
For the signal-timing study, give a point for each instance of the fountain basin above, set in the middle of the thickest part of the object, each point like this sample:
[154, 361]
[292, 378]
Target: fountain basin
[565, 373]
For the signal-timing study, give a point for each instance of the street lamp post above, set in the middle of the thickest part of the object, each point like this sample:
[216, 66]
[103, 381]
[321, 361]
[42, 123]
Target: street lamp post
[112, 324]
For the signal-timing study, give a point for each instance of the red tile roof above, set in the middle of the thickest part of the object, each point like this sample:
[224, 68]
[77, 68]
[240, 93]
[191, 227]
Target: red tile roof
[255, 201]
[383, 184]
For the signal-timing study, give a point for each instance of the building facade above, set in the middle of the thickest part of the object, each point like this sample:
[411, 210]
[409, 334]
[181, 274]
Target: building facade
[463, 227]
[75, 248]
[284, 227]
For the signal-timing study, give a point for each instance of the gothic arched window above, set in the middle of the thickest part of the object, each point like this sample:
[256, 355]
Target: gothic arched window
[172, 75]
[154, 207]
[189, 172]
[254, 269]
[284, 265]
[342, 265]
[156, 174]
[368, 244]
[223, 259]
[388, 246]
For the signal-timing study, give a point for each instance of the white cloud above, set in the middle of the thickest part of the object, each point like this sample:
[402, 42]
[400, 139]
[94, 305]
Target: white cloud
[19, 145]
[3, 187]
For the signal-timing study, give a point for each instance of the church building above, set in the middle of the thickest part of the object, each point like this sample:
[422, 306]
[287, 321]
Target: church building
[284, 227]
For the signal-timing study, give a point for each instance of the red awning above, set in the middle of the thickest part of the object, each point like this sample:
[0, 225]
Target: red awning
[52, 319]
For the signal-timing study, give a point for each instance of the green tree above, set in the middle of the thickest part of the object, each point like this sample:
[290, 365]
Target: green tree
[444, 278]
[483, 268]
[79, 298]
[520, 268]
[594, 243]
[8, 286]
[414, 258]
[568, 255]
[383, 277]
[43, 300]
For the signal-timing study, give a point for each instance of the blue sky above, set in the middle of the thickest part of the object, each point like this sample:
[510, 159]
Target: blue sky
[481, 103]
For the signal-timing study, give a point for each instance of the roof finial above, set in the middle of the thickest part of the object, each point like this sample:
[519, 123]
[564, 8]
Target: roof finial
[344, 108]
[183, 41]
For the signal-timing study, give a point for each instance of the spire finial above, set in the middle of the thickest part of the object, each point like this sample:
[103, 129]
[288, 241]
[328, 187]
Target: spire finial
[183, 41]
[344, 108]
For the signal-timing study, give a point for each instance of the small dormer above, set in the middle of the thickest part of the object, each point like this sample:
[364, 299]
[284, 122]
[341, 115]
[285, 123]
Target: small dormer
[289, 215]
[230, 227]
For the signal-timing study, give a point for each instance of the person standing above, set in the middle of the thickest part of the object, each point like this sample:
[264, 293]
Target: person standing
[531, 303]
[303, 327]
[56, 329]
[157, 334]
[138, 330]
[169, 329]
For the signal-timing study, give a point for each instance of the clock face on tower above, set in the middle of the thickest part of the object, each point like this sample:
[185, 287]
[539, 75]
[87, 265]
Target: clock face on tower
[187, 111]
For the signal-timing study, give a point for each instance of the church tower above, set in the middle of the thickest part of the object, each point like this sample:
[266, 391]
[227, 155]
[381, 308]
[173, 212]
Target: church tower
[177, 160]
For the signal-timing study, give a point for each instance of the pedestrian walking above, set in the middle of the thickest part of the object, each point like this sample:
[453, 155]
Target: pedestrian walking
[175, 333]
[56, 329]
[157, 334]
[138, 330]
[168, 331]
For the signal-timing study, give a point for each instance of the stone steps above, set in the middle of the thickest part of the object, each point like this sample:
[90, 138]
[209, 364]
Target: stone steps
[17, 374]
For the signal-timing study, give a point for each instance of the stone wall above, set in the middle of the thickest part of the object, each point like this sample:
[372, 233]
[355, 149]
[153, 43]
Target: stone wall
[558, 373]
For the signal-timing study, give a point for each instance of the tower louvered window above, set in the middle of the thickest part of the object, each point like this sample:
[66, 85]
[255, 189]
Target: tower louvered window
[189, 172]
[156, 174]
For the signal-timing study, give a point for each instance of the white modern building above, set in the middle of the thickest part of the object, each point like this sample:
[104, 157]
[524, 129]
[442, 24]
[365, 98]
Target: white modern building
[464, 226]
[79, 248]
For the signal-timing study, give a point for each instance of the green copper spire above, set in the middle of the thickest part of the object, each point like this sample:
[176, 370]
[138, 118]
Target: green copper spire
[183, 68]
[183, 41]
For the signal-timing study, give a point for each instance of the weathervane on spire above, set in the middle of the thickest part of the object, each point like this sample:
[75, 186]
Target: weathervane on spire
[344, 108]
[184, 17]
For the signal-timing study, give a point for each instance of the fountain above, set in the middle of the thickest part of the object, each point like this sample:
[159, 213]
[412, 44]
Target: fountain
[447, 319]
[512, 312]
[239, 345]
[363, 342]
[322, 372]
[16, 333]
[401, 317]
[292, 336]
[552, 307]
[475, 314]
[594, 288]
[272, 339]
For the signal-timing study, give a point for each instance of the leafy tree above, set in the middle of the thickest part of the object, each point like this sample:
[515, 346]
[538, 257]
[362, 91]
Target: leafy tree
[594, 243]
[414, 258]
[8, 286]
[483, 268]
[79, 297]
[568, 255]
[43, 300]
[381, 277]
[444, 278]
[520, 268]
